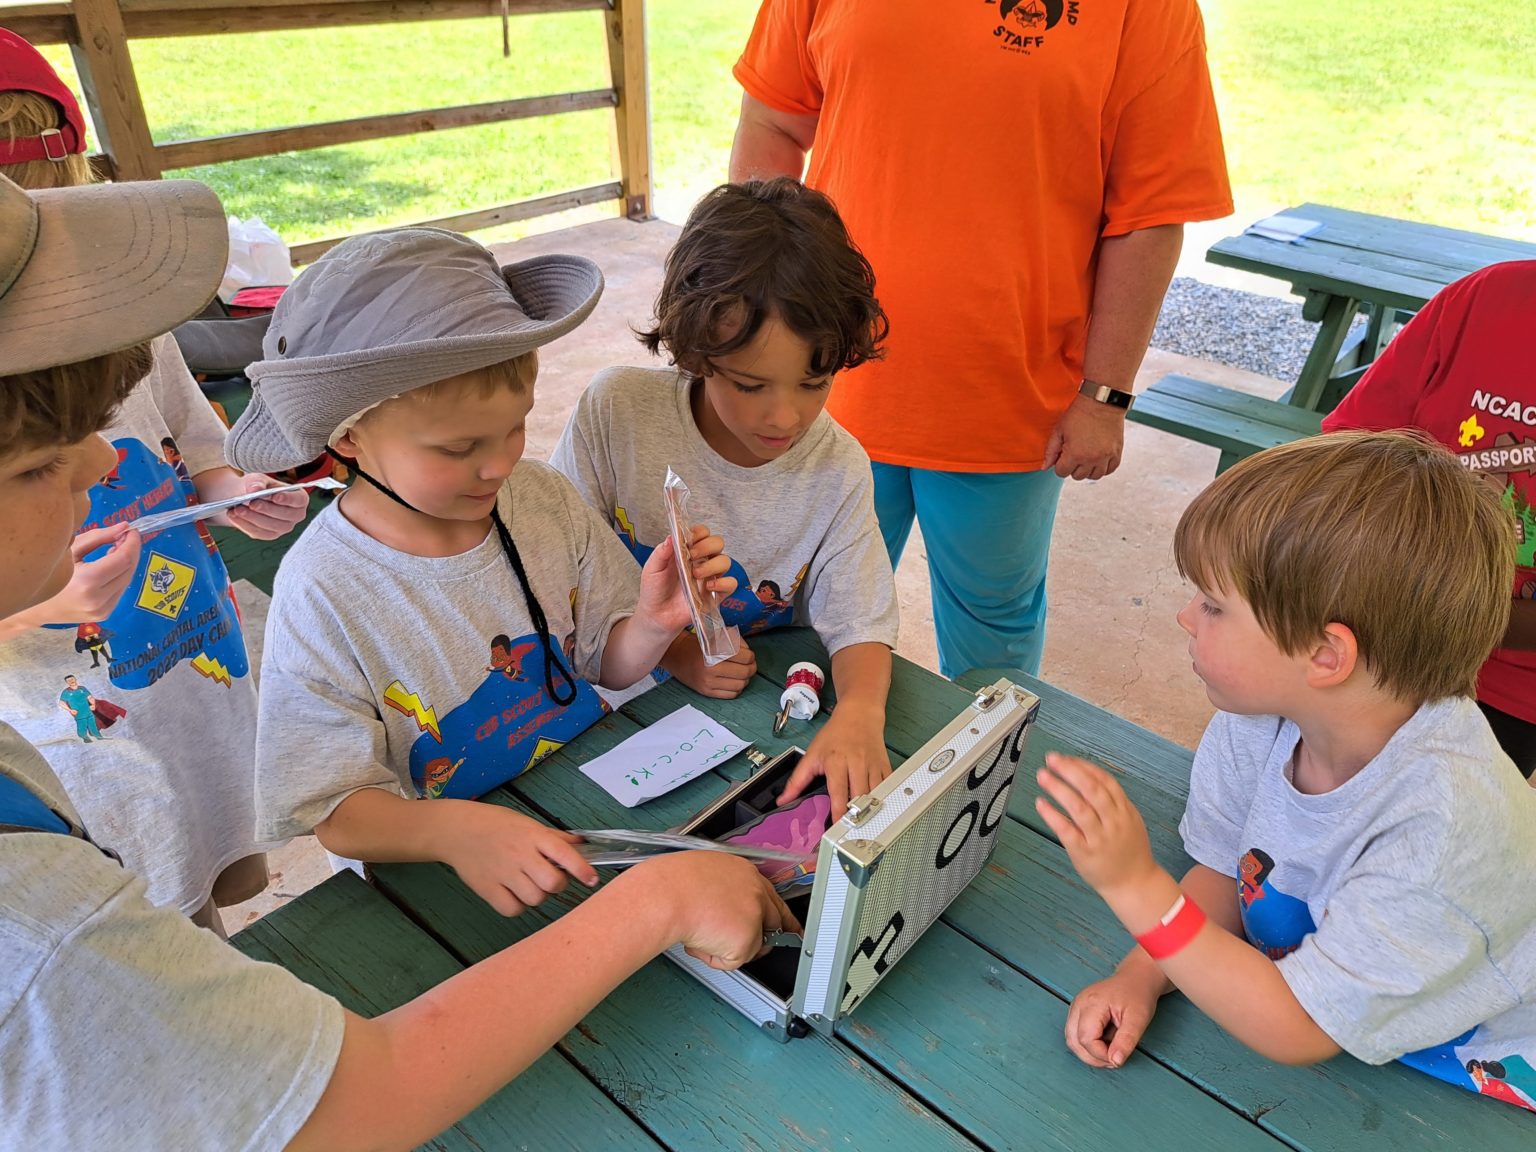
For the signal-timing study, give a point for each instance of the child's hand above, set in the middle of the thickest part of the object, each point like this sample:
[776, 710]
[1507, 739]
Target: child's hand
[849, 751]
[664, 601]
[95, 587]
[269, 518]
[721, 907]
[1107, 1019]
[1095, 822]
[511, 861]
[724, 681]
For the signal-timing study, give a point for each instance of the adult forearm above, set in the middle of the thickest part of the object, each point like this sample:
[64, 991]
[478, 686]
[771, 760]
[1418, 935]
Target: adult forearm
[769, 144]
[1128, 289]
[460, 1042]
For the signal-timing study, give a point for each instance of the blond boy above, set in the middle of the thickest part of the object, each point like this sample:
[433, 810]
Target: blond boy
[1360, 838]
[417, 637]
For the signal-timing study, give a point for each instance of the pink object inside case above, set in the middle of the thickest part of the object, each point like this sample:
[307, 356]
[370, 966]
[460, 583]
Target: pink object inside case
[796, 827]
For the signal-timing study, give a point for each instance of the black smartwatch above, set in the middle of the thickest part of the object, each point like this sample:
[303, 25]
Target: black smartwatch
[1104, 394]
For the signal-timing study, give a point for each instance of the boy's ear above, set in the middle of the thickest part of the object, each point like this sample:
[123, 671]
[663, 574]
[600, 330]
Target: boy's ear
[1334, 658]
[346, 445]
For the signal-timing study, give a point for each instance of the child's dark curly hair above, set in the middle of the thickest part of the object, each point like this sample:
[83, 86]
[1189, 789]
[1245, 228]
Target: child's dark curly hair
[760, 249]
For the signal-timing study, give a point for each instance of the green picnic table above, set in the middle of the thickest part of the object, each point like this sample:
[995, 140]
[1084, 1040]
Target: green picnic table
[960, 1047]
[1357, 261]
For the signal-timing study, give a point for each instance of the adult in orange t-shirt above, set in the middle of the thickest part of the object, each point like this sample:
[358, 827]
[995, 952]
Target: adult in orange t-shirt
[1018, 172]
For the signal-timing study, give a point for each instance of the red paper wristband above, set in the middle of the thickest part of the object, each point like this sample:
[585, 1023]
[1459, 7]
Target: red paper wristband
[1179, 925]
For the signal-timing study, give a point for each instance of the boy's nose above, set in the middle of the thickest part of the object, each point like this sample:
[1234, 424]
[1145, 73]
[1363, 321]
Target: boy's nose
[1186, 617]
[784, 419]
[96, 461]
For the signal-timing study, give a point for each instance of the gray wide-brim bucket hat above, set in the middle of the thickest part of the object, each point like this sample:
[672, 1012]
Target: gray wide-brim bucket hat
[92, 270]
[380, 315]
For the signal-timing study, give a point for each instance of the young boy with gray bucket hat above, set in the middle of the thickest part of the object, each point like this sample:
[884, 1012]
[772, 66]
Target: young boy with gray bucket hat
[244, 1055]
[438, 630]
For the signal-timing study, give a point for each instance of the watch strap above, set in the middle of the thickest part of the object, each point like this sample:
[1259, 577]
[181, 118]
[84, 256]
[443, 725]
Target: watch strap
[1104, 394]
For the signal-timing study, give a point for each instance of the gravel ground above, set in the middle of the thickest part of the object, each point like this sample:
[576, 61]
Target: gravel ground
[1258, 333]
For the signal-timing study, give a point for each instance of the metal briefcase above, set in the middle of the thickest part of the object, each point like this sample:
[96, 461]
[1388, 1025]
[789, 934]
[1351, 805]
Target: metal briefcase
[884, 872]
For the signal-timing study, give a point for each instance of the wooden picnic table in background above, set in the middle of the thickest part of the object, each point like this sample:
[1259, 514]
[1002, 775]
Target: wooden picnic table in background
[1356, 262]
[959, 1048]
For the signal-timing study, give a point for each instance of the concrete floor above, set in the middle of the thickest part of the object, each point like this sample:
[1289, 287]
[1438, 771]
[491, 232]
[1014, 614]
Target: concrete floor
[1113, 588]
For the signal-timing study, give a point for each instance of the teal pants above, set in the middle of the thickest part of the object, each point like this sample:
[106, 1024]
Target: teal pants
[988, 536]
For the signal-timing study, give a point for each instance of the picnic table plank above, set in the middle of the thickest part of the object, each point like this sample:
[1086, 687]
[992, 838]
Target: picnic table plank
[1231, 433]
[1239, 403]
[1434, 244]
[690, 1068]
[982, 1042]
[348, 940]
[1029, 908]
[1316, 269]
[1376, 259]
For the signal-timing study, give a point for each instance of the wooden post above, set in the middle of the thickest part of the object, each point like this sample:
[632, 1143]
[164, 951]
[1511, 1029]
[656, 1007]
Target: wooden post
[632, 114]
[101, 55]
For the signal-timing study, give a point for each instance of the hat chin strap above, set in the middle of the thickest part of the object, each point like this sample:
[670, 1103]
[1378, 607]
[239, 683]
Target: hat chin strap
[552, 661]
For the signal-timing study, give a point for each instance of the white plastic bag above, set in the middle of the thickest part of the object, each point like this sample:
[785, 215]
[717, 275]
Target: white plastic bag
[717, 641]
[258, 258]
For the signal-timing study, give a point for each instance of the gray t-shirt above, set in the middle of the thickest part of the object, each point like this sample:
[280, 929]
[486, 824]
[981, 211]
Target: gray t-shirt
[1398, 906]
[154, 734]
[124, 1026]
[424, 675]
[800, 530]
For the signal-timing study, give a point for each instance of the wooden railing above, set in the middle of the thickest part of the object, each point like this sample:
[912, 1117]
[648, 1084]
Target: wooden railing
[98, 32]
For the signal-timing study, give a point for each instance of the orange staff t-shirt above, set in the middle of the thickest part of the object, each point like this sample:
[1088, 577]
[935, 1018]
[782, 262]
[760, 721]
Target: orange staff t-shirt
[978, 150]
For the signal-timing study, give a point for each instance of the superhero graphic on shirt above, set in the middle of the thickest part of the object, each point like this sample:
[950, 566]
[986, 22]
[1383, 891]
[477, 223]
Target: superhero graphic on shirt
[1274, 922]
[1466, 1062]
[179, 605]
[507, 725]
[90, 637]
[756, 606]
[507, 658]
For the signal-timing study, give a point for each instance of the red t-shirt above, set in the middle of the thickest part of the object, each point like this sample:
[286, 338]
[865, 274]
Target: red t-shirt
[1464, 370]
[978, 151]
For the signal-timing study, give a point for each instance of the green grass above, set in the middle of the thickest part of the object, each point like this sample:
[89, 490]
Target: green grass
[1422, 111]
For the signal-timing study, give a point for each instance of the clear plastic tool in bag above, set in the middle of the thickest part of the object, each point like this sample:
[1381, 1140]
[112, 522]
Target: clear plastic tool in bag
[717, 641]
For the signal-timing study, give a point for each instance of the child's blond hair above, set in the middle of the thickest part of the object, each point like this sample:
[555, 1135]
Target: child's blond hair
[515, 375]
[28, 114]
[1383, 532]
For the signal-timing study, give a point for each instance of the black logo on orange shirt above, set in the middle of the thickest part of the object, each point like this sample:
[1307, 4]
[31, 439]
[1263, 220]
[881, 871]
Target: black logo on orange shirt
[1025, 22]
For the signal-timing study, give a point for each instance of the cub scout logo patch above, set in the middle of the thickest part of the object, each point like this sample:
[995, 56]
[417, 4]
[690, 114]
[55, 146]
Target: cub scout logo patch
[166, 584]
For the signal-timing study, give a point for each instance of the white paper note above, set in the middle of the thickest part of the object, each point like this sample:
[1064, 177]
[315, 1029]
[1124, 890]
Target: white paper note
[657, 759]
[1286, 229]
[159, 521]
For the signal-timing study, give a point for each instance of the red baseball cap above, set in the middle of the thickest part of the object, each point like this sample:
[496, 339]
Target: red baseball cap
[23, 69]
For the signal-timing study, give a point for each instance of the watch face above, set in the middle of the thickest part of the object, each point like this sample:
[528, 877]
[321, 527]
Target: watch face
[1104, 394]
